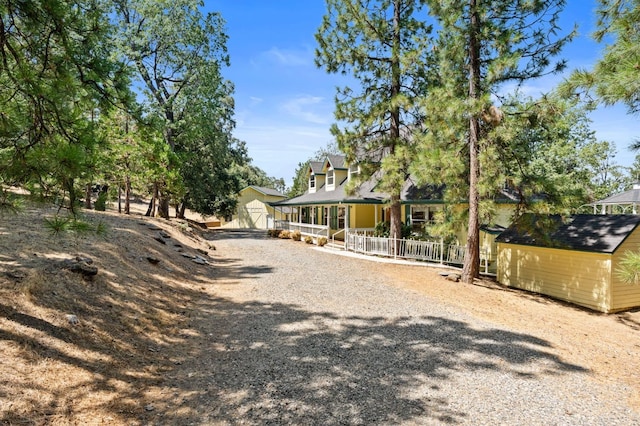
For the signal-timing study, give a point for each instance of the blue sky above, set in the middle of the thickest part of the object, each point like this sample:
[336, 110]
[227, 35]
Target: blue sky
[284, 103]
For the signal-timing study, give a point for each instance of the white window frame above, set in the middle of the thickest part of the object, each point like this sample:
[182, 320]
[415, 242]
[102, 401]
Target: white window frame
[312, 183]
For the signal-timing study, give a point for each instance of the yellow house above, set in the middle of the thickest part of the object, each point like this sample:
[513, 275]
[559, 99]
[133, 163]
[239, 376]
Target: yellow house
[254, 211]
[327, 209]
[574, 259]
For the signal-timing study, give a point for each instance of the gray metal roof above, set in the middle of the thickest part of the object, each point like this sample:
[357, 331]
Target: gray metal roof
[267, 191]
[584, 232]
[628, 197]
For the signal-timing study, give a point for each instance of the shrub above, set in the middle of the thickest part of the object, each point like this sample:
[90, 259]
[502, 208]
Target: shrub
[322, 241]
[58, 225]
[296, 235]
[308, 239]
[284, 234]
[101, 203]
[273, 233]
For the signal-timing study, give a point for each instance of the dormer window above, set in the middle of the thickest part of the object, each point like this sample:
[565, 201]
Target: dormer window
[312, 182]
[330, 175]
[354, 169]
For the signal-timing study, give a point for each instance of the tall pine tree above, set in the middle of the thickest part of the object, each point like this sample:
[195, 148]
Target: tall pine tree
[382, 44]
[480, 46]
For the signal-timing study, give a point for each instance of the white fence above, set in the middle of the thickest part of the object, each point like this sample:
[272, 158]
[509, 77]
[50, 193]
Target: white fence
[427, 251]
[314, 231]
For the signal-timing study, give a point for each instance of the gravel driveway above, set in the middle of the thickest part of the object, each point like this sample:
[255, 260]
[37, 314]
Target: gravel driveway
[299, 335]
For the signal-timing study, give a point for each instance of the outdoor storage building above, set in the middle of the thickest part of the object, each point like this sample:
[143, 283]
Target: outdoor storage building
[573, 259]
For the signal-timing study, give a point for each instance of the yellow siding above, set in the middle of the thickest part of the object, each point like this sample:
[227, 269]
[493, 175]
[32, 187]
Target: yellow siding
[362, 216]
[578, 277]
[253, 210]
[339, 176]
[625, 296]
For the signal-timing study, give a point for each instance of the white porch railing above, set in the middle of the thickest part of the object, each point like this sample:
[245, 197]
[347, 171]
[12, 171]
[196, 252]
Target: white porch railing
[314, 231]
[333, 236]
[411, 249]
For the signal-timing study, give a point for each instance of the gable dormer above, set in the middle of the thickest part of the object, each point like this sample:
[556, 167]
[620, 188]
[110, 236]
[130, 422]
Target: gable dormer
[335, 170]
[316, 176]
[354, 170]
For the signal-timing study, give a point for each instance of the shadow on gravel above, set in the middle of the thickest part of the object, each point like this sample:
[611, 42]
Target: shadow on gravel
[272, 363]
[146, 351]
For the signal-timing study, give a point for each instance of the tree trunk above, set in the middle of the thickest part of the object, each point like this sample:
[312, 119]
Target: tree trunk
[119, 199]
[87, 196]
[163, 205]
[127, 195]
[151, 210]
[72, 195]
[180, 210]
[395, 225]
[471, 268]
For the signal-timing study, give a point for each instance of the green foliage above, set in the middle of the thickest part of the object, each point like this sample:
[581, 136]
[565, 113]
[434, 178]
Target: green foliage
[101, 229]
[60, 225]
[10, 203]
[80, 227]
[101, 202]
[178, 53]
[481, 45]
[629, 268]
[383, 229]
[614, 78]
[385, 46]
[57, 225]
[57, 71]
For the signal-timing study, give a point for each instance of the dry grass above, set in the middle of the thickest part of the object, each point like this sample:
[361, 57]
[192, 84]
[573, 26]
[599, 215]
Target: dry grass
[132, 358]
[133, 319]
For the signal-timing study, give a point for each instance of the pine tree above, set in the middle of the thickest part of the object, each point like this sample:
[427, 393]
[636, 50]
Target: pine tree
[480, 46]
[56, 75]
[616, 76]
[384, 46]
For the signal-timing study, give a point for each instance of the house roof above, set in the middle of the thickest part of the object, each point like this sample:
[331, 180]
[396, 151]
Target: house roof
[365, 194]
[628, 197]
[584, 232]
[337, 161]
[266, 191]
[316, 167]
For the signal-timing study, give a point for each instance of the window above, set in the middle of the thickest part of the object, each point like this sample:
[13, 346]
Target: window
[420, 216]
[312, 182]
[354, 169]
[337, 217]
[330, 178]
[341, 216]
